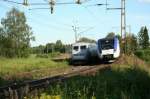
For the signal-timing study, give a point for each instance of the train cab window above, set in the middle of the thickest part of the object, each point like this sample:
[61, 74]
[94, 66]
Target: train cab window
[83, 47]
[107, 43]
[76, 48]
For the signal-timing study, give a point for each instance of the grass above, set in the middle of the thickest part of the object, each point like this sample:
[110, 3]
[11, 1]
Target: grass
[127, 83]
[27, 68]
[26, 65]
[128, 79]
[144, 55]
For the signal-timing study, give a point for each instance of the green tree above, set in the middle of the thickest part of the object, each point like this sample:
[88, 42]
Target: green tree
[59, 47]
[84, 39]
[110, 35]
[143, 38]
[131, 44]
[49, 48]
[16, 34]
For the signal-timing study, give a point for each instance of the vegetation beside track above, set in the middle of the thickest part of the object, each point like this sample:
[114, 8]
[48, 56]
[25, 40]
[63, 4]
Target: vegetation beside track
[129, 78]
[19, 69]
[144, 55]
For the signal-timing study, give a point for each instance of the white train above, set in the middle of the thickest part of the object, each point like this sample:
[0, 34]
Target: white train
[83, 52]
[108, 48]
[104, 49]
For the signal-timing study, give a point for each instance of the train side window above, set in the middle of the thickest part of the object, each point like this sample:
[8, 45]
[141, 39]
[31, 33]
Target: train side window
[76, 48]
[83, 47]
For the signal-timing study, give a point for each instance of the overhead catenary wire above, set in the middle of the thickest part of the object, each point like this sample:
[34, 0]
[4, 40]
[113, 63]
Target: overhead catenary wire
[38, 22]
[57, 22]
[93, 16]
[77, 33]
[48, 2]
[10, 1]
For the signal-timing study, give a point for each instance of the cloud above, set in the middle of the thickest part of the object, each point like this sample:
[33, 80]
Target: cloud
[144, 1]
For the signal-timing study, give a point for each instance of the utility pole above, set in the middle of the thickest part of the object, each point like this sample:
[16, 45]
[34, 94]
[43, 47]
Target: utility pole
[129, 27]
[77, 33]
[75, 28]
[123, 19]
[123, 22]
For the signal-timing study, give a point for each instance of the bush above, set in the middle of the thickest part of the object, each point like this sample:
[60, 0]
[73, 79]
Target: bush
[42, 55]
[143, 54]
[54, 54]
[51, 55]
[128, 83]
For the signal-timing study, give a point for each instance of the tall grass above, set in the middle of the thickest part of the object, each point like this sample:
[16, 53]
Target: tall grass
[144, 54]
[127, 83]
[129, 78]
[27, 68]
[25, 65]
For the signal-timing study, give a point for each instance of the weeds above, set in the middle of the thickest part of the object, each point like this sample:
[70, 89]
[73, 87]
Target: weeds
[125, 83]
[19, 69]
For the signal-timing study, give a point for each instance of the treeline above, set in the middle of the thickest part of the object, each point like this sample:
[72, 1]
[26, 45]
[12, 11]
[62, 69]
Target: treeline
[143, 48]
[58, 46]
[136, 44]
[139, 41]
[15, 35]
[133, 42]
[52, 48]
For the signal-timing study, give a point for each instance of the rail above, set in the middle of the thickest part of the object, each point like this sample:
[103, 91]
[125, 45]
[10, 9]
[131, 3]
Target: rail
[22, 89]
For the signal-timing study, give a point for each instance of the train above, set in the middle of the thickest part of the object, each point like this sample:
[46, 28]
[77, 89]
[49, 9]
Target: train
[104, 49]
[83, 52]
[108, 48]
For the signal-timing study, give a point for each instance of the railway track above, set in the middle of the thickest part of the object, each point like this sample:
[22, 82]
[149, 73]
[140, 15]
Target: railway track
[19, 90]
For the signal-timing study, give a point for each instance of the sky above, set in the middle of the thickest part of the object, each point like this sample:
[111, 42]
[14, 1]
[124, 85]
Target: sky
[92, 21]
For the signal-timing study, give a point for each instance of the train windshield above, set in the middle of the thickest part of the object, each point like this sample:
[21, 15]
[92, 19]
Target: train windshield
[76, 48]
[83, 47]
[107, 44]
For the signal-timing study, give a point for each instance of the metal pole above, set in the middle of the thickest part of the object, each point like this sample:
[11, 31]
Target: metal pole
[121, 19]
[75, 31]
[123, 24]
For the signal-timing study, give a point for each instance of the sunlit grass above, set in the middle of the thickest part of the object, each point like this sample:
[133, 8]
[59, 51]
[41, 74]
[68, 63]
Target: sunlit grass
[20, 69]
[26, 65]
[127, 79]
[131, 61]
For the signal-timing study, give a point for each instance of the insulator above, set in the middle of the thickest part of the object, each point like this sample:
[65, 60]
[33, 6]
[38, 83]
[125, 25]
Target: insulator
[52, 3]
[52, 9]
[78, 2]
[25, 2]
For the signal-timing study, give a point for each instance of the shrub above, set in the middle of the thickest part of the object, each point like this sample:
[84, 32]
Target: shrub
[42, 55]
[143, 54]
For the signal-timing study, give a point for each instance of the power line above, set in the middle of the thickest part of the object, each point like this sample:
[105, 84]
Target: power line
[9, 1]
[57, 22]
[76, 31]
[51, 3]
[36, 20]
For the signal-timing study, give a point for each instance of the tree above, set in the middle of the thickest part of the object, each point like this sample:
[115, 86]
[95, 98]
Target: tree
[49, 48]
[84, 39]
[131, 43]
[16, 34]
[143, 38]
[110, 35]
[59, 47]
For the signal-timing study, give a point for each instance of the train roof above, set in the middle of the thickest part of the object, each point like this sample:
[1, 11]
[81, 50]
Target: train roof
[108, 38]
[81, 43]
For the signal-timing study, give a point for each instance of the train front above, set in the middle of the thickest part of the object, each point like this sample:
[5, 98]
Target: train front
[108, 48]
